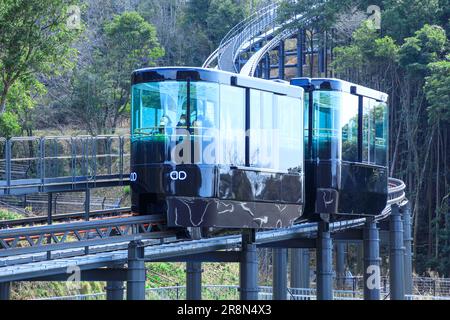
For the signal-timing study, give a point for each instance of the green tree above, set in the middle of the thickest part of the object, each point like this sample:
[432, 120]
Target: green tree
[437, 90]
[222, 16]
[400, 19]
[428, 45]
[34, 39]
[102, 89]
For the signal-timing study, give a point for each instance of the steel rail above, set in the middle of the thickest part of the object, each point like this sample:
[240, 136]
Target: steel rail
[103, 229]
[61, 217]
[79, 234]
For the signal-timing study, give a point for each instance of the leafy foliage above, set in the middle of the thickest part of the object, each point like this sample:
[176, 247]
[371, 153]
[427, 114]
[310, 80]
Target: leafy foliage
[437, 90]
[102, 89]
[34, 39]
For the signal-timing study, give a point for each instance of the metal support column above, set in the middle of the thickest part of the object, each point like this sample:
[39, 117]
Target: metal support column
[407, 239]
[300, 271]
[281, 60]
[279, 274]
[87, 208]
[324, 262]
[136, 271]
[340, 264]
[372, 273]
[396, 255]
[49, 219]
[194, 280]
[267, 67]
[5, 290]
[114, 290]
[249, 266]
[300, 53]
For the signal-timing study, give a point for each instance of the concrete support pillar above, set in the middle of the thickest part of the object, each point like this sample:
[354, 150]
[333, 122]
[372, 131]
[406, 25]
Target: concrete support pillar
[248, 266]
[279, 274]
[114, 290]
[396, 255]
[300, 270]
[136, 271]
[407, 239]
[5, 290]
[324, 267]
[372, 273]
[194, 280]
[340, 264]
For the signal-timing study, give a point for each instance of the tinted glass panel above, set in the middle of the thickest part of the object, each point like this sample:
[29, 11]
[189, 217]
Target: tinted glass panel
[326, 125]
[382, 134]
[263, 138]
[232, 125]
[290, 120]
[160, 116]
[375, 132]
[349, 125]
[306, 125]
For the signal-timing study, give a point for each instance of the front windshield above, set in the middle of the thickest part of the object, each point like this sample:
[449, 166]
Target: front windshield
[161, 106]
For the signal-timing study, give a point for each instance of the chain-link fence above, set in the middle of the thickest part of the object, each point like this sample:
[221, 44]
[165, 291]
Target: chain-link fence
[224, 292]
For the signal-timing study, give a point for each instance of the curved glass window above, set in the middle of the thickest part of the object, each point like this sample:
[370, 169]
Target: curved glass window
[263, 138]
[275, 131]
[349, 127]
[326, 124]
[232, 125]
[290, 120]
[180, 118]
[335, 127]
[375, 132]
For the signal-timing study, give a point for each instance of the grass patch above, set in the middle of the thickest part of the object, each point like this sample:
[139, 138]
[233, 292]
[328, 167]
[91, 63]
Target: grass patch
[8, 215]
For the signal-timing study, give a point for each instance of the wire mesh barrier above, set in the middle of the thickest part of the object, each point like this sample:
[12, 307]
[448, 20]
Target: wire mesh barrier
[37, 203]
[27, 162]
[231, 292]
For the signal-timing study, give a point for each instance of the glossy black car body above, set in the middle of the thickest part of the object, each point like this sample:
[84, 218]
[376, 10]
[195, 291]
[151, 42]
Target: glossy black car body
[346, 144]
[230, 191]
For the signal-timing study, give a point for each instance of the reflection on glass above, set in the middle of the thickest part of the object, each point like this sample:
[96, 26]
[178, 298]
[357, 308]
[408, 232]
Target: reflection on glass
[375, 132]
[335, 125]
[290, 119]
[306, 125]
[232, 125]
[275, 131]
[181, 128]
[349, 127]
[263, 130]
[326, 124]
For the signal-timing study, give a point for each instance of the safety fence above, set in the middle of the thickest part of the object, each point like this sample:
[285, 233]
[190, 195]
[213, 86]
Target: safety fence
[41, 161]
[231, 292]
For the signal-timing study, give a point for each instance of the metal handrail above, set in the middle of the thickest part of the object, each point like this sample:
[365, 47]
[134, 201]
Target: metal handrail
[241, 33]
